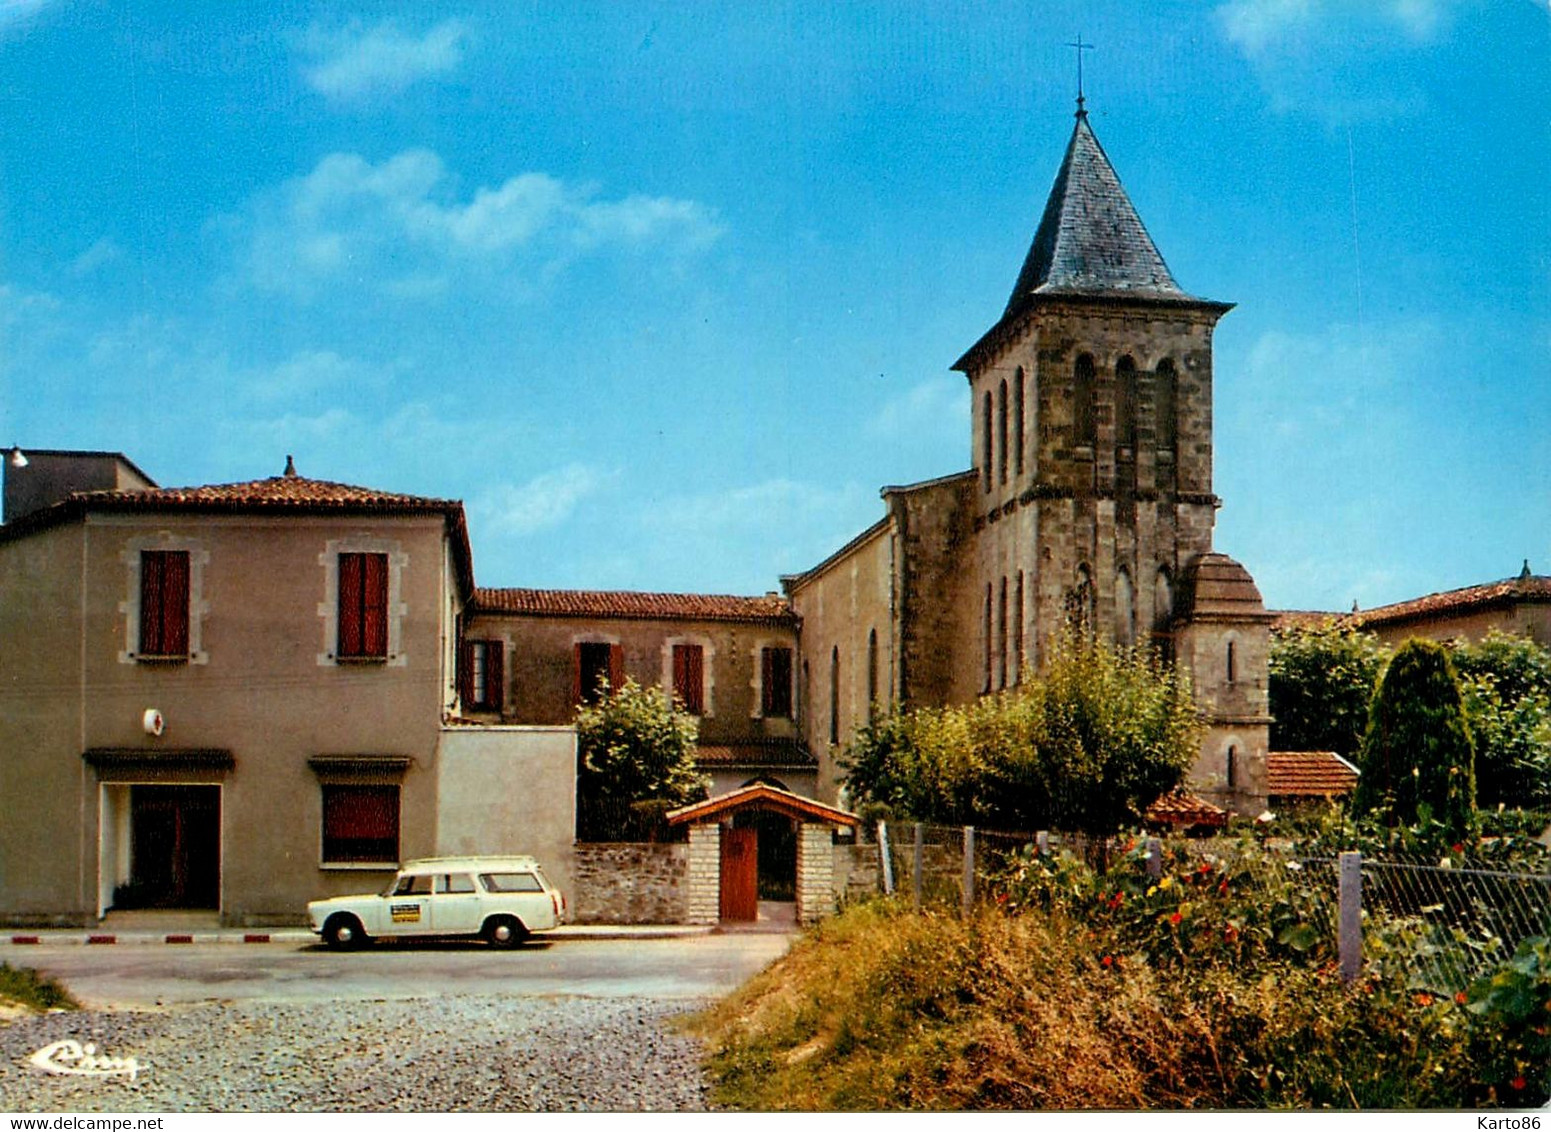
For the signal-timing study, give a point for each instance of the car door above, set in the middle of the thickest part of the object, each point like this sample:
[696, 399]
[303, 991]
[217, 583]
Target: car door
[455, 906]
[409, 908]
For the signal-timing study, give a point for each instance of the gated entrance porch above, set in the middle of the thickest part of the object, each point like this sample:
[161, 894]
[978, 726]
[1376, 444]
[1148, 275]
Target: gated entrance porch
[724, 841]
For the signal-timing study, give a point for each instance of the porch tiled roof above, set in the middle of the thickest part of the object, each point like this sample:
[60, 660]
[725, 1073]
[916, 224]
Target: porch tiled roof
[760, 753]
[1181, 809]
[624, 604]
[1310, 774]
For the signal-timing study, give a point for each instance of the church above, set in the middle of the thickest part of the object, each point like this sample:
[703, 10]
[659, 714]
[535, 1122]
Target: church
[1090, 504]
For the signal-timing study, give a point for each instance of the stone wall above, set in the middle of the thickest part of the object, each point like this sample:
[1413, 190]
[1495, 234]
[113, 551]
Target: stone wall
[630, 883]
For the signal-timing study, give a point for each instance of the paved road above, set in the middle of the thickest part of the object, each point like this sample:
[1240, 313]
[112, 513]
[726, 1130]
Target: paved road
[126, 977]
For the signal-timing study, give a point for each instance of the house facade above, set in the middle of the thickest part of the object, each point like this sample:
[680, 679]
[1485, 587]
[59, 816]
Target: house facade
[238, 698]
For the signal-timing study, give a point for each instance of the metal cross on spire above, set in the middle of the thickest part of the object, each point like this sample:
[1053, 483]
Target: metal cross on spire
[1080, 47]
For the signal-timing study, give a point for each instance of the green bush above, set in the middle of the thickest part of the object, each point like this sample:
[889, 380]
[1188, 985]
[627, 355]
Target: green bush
[1086, 744]
[1320, 682]
[1418, 759]
[1506, 681]
[637, 754]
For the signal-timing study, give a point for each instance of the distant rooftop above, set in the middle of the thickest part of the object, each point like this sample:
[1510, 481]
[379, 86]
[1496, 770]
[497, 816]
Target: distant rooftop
[625, 604]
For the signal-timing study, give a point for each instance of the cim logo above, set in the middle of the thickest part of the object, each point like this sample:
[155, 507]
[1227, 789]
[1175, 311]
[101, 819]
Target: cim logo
[70, 1058]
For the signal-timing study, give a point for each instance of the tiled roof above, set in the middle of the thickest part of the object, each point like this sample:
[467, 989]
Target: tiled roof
[1449, 603]
[1090, 239]
[758, 753]
[1181, 809]
[275, 492]
[617, 604]
[762, 796]
[286, 493]
[1531, 587]
[1314, 774]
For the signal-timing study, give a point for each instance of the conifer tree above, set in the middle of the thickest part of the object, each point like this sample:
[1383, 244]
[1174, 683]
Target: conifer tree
[1418, 759]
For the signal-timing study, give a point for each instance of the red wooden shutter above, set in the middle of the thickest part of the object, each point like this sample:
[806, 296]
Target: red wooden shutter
[616, 667]
[351, 581]
[466, 673]
[495, 675]
[689, 677]
[175, 603]
[576, 678]
[152, 568]
[375, 606]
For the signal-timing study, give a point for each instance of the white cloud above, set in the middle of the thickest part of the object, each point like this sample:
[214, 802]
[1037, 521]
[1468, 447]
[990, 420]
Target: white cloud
[308, 373]
[357, 63]
[399, 226]
[1261, 26]
[933, 405]
[100, 254]
[14, 13]
[545, 501]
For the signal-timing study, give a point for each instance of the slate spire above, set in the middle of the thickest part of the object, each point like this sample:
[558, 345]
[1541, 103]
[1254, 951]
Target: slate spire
[1090, 240]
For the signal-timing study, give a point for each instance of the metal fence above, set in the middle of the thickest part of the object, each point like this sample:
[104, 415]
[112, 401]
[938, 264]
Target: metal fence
[1444, 922]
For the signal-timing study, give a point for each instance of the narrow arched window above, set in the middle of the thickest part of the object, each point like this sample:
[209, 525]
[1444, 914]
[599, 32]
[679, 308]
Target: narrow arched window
[985, 429]
[1001, 635]
[1125, 403]
[1233, 665]
[872, 675]
[1079, 603]
[987, 636]
[834, 695]
[1125, 609]
[1232, 769]
[1165, 392]
[1017, 418]
[1084, 419]
[1162, 601]
[1001, 429]
[1017, 631]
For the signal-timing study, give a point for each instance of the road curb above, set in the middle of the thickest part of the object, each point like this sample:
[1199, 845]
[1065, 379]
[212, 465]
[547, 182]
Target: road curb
[78, 938]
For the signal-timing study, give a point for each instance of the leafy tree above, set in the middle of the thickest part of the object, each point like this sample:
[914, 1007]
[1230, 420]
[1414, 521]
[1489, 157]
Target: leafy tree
[1506, 681]
[637, 762]
[1418, 759]
[1086, 744]
[1320, 684]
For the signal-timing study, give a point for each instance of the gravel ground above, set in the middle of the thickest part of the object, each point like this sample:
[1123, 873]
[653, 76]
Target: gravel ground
[480, 1054]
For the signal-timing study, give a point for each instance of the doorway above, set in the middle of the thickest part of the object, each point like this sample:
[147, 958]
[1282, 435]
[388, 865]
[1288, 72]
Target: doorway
[174, 848]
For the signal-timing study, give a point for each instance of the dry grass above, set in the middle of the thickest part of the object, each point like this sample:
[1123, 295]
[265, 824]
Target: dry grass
[885, 1010]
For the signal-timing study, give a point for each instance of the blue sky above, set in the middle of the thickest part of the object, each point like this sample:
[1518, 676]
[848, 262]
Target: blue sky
[666, 292]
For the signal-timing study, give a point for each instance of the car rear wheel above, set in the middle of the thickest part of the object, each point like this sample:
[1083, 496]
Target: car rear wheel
[344, 933]
[505, 931]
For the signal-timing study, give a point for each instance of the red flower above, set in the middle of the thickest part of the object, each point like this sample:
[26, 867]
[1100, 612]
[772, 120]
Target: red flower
[1175, 918]
[1231, 934]
[1517, 1083]
[1457, 847]
[1424, 999]
[1222, 888]
[1107, 961]
[1460, 997]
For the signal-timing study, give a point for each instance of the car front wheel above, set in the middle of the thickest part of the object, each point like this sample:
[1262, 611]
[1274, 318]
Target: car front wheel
[505, 931]
[344, 933]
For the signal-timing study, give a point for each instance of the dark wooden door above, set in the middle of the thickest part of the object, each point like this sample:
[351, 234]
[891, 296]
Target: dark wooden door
[175, 847]
[740, 874]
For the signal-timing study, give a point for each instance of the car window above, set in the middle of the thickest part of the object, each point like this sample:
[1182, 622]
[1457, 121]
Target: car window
[413, 886]
[511, 882]
[454, 883]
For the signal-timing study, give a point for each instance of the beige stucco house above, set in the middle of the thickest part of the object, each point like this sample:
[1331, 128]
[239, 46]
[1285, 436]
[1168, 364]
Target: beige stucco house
[242, 697]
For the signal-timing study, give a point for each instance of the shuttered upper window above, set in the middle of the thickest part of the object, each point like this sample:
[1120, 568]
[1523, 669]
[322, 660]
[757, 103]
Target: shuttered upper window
[363, 606]
[689, 677]
[482, 675]
[164, 604]
[360, 824]
[775, 683]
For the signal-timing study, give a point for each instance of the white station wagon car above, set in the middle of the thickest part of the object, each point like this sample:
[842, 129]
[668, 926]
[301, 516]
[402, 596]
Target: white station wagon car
[500, 899]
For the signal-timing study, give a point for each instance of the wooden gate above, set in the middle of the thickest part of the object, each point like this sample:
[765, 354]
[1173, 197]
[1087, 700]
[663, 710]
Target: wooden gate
[740, 874]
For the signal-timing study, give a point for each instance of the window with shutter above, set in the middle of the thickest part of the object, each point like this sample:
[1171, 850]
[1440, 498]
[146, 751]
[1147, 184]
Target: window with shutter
[363, 606]
[164, 604]
[776, 683]
[483, 685]
[689, 677]
[360, 824]
[594, 671]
